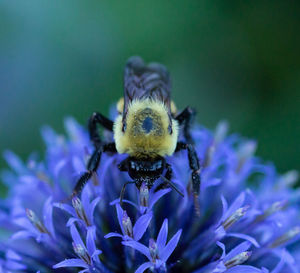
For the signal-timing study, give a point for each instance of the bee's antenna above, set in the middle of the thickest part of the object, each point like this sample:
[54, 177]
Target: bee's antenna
[123, 191]
[172, 185]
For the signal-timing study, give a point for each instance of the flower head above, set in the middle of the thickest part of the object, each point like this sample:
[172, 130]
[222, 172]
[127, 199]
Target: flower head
[249, 214]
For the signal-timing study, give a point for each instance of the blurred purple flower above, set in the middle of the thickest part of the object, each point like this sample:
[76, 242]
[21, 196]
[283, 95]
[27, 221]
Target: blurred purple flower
[249, 222]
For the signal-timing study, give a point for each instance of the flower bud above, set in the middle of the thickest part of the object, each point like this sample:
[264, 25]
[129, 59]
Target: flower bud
[153, 249]
[237, 215]
[291, 234]
[77, 204]
[238, 259]
[81, 252]
[275, 207]
[36, 221]
[144, 195]
[127, 225]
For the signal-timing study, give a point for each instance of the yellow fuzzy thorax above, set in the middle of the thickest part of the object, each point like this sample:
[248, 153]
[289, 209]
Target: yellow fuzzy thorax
[147, 133]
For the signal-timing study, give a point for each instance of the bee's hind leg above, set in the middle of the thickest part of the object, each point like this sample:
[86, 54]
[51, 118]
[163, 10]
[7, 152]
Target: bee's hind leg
[196, 170]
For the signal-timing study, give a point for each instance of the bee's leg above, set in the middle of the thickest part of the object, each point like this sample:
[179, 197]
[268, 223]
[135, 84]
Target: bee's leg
[123, 192]
[193, 163]
[167, 181]
[196, 180]
[195, 167]
[186, 118]
[95, 119]
[92, 166]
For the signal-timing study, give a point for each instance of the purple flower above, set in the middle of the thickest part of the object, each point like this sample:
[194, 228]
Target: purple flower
[249, 214]
[128, 232]
[88, 253]
[159, 251]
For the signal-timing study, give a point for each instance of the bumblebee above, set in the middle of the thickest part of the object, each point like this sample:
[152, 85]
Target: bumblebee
[146, 128]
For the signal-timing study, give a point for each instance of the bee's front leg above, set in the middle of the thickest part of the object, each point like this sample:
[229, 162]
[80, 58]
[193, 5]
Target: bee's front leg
[92, 166]
[95, 119]
[186, 118]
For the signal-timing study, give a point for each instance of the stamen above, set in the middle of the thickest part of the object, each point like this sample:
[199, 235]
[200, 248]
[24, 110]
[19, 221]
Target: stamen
[244, 153]
[238, 259]
[127, 225]
[76, 202]
[220, 133]
[36, 221]
[288, 179]
[292, 233]
[237, 215]
[153, 249]
[144, 195]
[275, 207]
[81, 252]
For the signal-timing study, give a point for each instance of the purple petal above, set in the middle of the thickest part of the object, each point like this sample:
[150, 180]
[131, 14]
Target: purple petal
[170, 246]
[284, 258]
[47, 214]
[78, 164]
[114, 202]
[15, 266]
[14, 162]
[66, 208]
[237, 203]
[76, 236]
[222, 246]
[90, 240]
[156, 196]
[85, 198]
[71, 263]
[245, 269]
[49, 135]
[59, 166]
[210, 182]
[224, 205]
[113, 234]
[10, 254]
[237, 250]
[120, 216]
[245, 237]
[73, 220]
[141, 225]
[143, 267]
[139, 247]
[90, 211]
[23, 234]
[162, 236]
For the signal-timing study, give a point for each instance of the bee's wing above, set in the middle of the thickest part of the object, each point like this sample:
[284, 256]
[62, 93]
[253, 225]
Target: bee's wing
[143, 81]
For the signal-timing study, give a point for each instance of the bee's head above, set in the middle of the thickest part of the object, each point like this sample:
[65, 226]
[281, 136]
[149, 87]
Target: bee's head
[149, 130]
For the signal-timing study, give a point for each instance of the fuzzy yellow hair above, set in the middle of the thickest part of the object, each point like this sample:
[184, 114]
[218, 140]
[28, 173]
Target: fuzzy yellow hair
[137, 142]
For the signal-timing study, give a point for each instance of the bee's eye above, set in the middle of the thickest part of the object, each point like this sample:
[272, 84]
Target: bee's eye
[147, 124]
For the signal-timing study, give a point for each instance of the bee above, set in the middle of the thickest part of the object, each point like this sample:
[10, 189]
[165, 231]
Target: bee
[146, 128]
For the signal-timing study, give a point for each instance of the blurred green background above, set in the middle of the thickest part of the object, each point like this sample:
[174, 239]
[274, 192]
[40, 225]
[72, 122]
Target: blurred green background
[234, 60]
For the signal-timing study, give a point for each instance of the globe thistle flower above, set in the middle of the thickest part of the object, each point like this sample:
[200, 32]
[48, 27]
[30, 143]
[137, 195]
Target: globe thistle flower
[248, 218]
